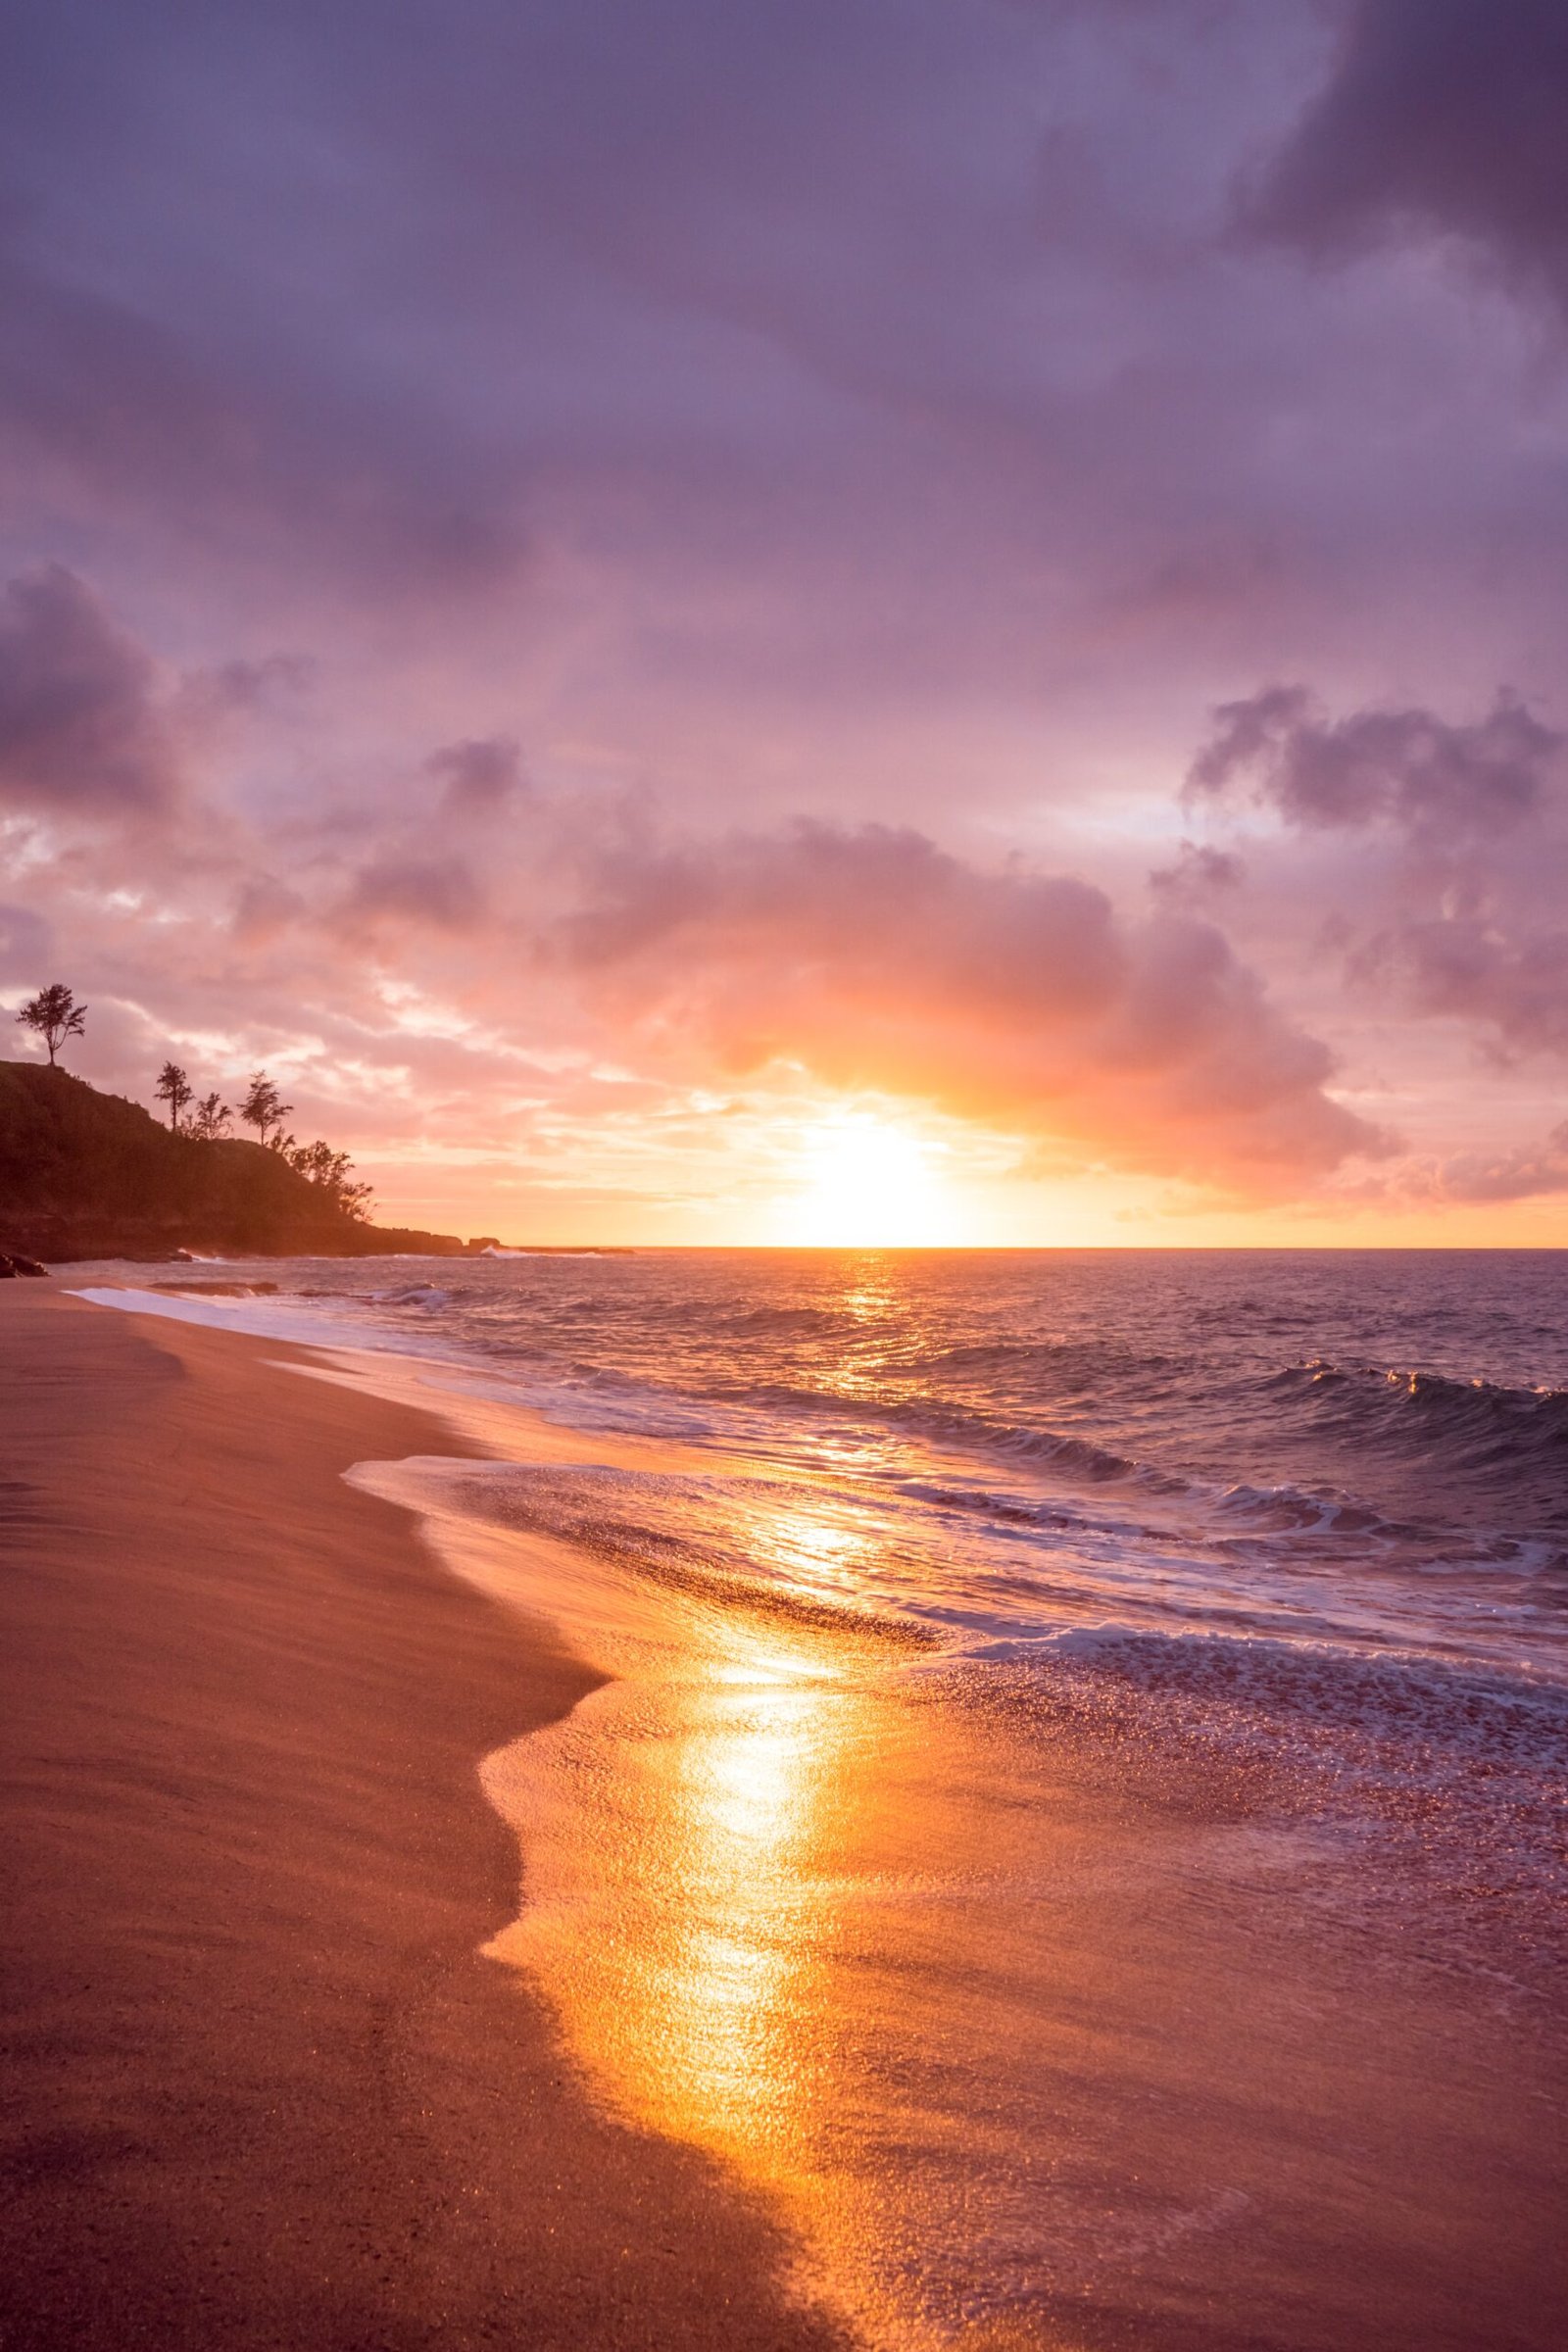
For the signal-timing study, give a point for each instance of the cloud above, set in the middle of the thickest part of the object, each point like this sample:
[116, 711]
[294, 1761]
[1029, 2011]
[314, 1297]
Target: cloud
[1460, 846]
[861, 410]
[253, 686]
[1440, 116]
[874, 960]
[481, 776]
[147, 406]
[1405, 767]
[1199, 871]
[26, 943]
[1494, 971]
[263, 906]
[82, 730]
[1526, 1173]
[438, 893]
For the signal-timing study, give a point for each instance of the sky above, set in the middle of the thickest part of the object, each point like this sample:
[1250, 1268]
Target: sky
[904, 621]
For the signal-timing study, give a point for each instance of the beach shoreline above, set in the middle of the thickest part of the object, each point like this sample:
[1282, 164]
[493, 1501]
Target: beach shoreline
[263, 2089]
[849, 1998]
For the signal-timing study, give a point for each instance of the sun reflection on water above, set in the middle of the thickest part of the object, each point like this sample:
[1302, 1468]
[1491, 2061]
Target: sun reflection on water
[718, 1780]
[748, 1781]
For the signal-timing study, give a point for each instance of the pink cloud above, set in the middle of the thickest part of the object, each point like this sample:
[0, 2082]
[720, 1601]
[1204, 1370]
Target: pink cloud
[875, 959]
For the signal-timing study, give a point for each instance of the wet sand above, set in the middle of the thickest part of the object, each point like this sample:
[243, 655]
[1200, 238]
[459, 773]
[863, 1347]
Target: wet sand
[1041, 2029]
[261, 2086]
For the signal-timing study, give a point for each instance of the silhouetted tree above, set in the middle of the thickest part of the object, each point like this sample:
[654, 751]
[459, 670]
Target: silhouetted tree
[264, 1107]
[174, 1088]
[265, 1110]
[330, 1170]
[210, 1120]
[55, 1016]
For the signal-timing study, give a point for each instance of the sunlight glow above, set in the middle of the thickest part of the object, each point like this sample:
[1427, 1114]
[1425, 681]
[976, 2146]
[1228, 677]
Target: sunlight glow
[869, 1185]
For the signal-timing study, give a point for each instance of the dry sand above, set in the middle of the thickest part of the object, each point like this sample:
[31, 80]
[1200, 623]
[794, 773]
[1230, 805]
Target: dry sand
[261, 2088]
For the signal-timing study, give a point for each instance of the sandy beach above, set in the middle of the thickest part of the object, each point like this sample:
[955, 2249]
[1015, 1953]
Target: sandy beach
[261, 2086]
[843, 2002]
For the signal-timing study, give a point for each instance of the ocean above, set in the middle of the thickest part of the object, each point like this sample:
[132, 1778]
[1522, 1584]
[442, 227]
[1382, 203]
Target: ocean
[1083, 1753]
[1366, 1453]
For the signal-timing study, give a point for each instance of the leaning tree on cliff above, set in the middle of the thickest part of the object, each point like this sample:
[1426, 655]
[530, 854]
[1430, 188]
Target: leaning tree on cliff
[55, 1016]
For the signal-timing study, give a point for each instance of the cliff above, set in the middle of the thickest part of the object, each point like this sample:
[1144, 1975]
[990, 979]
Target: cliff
[85, 1174]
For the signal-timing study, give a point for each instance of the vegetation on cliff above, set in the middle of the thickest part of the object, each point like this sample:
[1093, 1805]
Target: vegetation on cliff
[85, 1174]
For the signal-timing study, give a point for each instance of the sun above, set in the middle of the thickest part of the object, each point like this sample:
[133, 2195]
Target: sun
[869, 1186]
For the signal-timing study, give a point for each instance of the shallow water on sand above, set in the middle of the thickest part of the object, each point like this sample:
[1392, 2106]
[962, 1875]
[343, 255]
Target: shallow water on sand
[1179, 1968]
[1041, 2021]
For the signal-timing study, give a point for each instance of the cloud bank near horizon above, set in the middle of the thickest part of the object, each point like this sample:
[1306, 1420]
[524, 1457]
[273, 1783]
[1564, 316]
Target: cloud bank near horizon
[866, 956]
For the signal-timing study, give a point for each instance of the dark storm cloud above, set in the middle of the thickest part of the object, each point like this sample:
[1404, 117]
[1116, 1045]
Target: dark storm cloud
[1404, 766]
[1446, 115]
[82, 730]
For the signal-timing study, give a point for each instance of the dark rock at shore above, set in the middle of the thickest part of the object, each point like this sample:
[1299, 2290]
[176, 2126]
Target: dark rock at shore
[12, 1264]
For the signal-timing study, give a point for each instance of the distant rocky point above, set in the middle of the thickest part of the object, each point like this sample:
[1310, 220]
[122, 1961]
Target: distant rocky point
[84, 1175]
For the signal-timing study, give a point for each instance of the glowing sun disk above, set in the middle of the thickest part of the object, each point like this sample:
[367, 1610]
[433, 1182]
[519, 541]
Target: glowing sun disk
[870, 1186]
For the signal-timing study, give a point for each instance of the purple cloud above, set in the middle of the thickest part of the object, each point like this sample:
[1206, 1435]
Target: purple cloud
[1462, 835]
[481, 777]
[1200, 873]
[83, 731]
[133, 403]
[1407, 768]
[1495, 970]
[26, 943]
[1441, 116]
